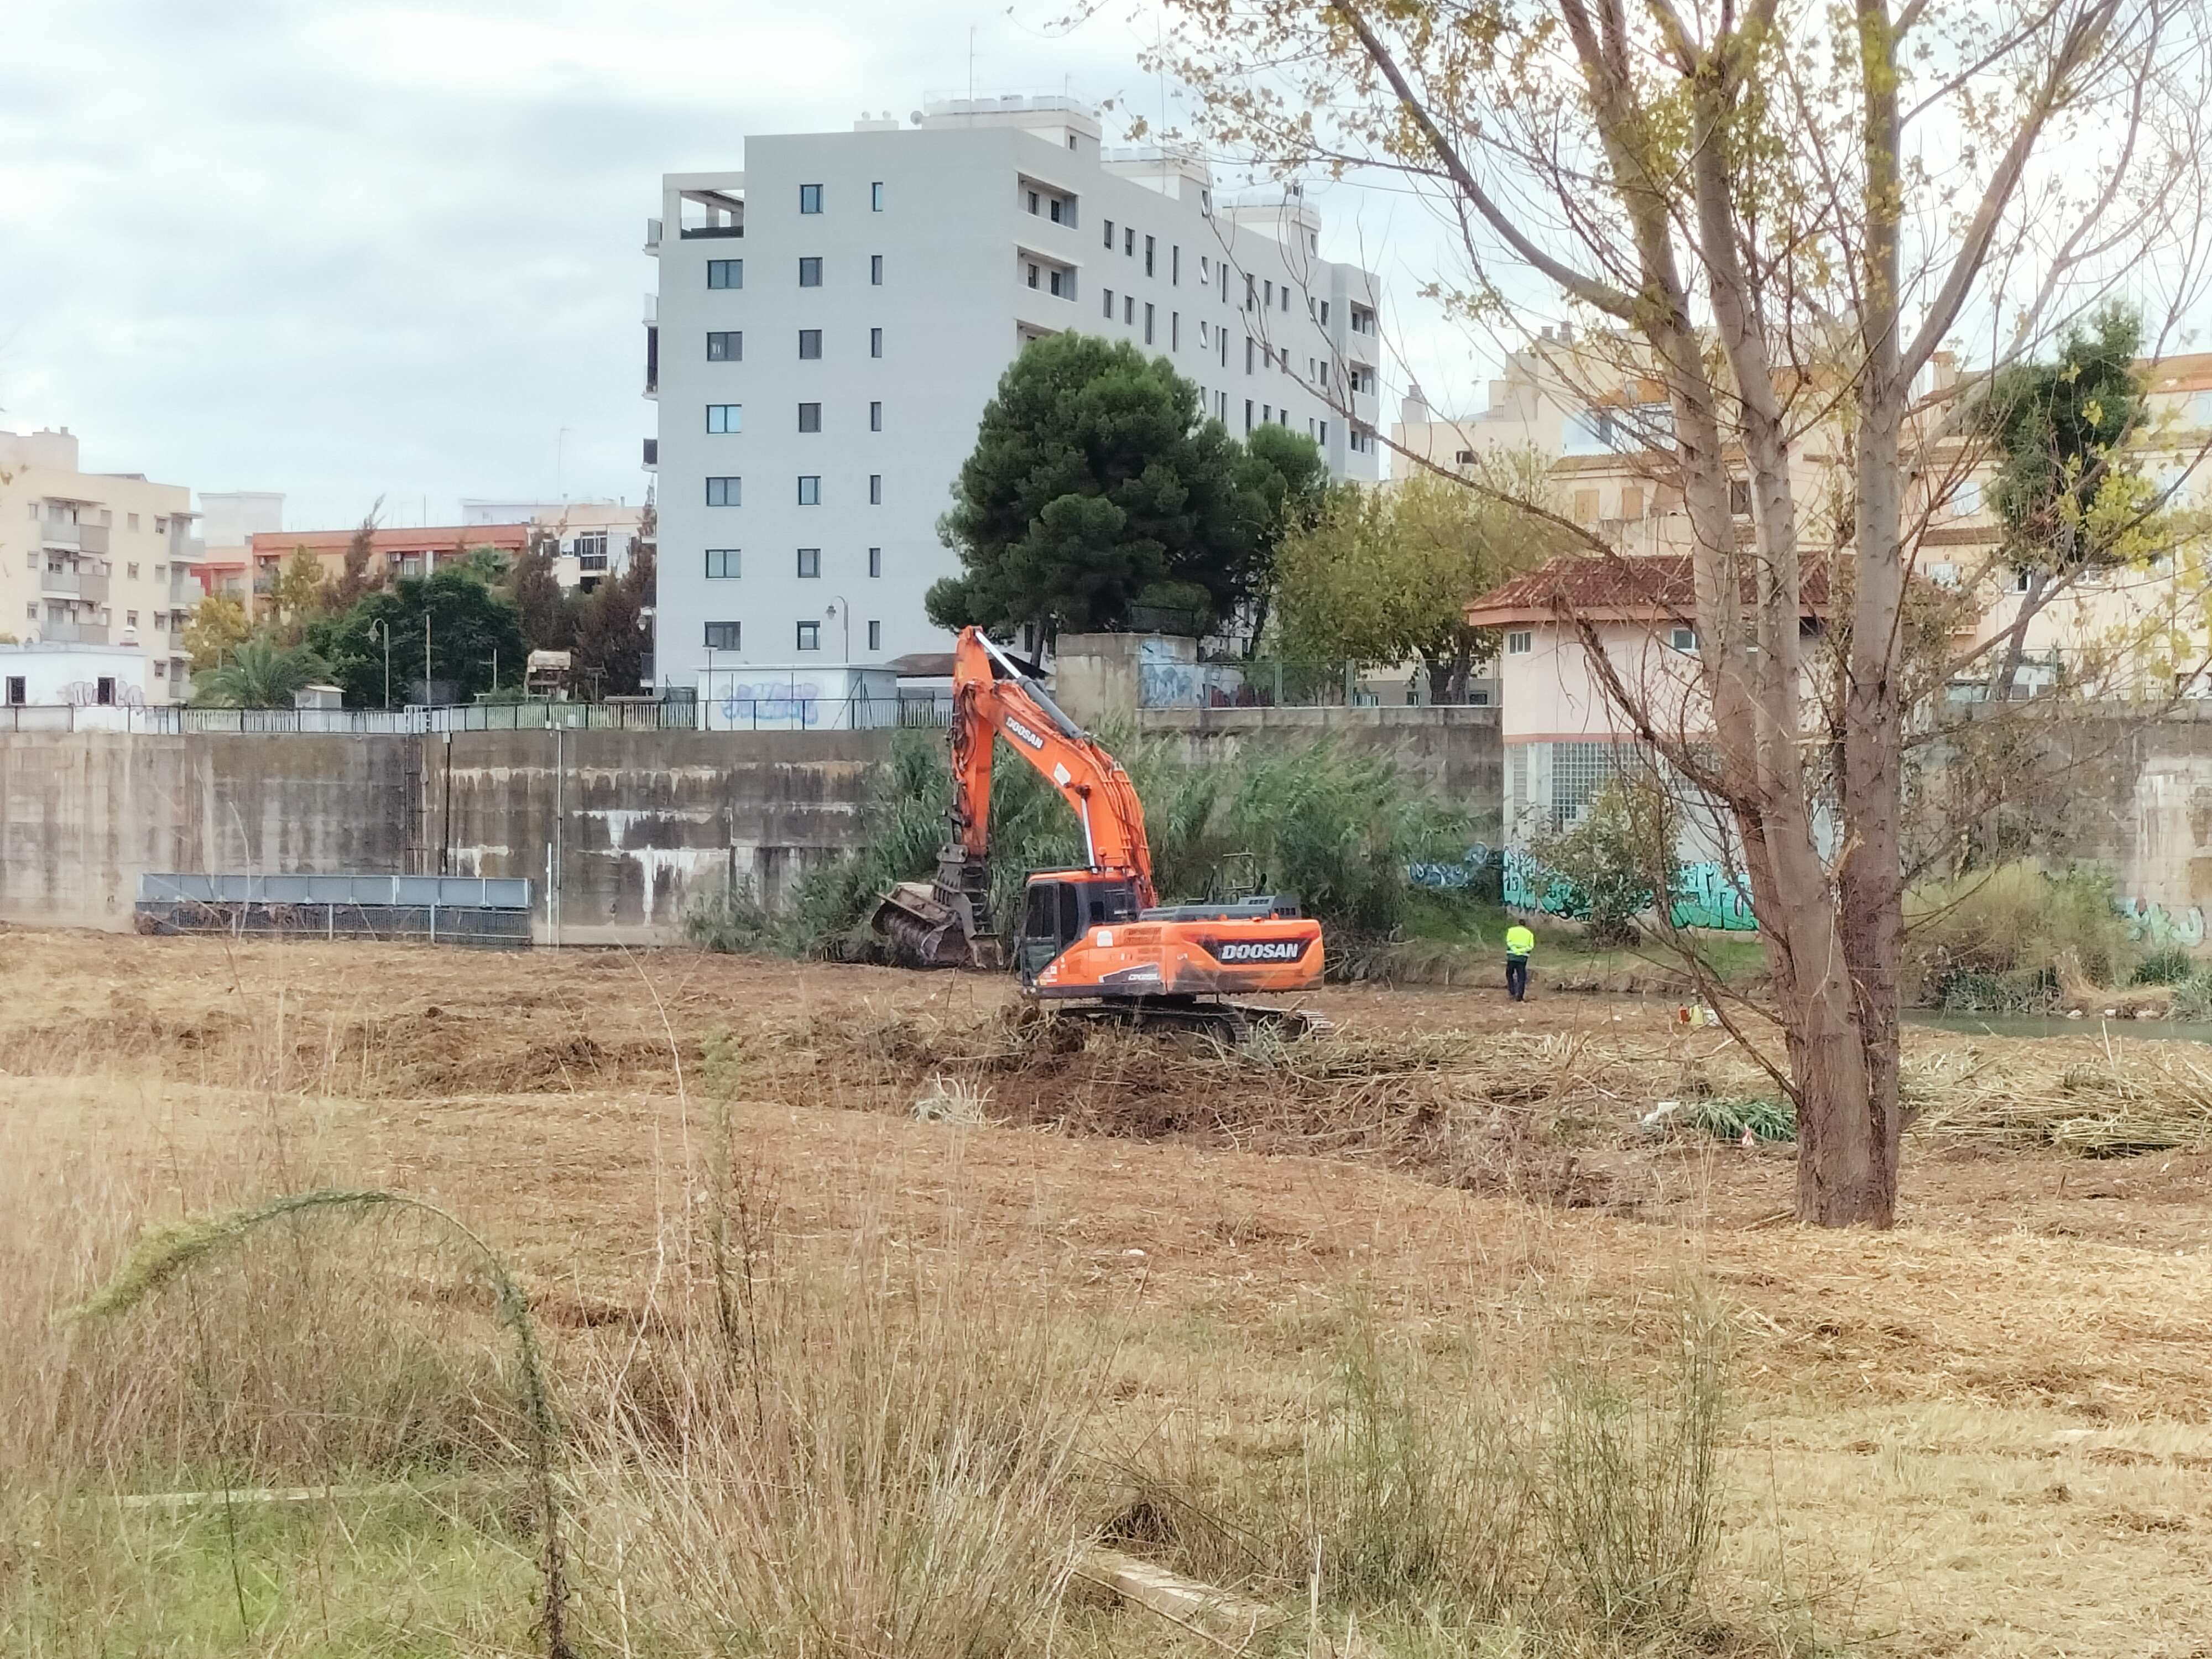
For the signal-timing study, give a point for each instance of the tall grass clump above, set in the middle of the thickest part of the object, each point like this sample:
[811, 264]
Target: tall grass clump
[1630, 1491]
[863, 1463]
[1423, 1484]
[2013, 929]
[1338, 828]
[168, 1254]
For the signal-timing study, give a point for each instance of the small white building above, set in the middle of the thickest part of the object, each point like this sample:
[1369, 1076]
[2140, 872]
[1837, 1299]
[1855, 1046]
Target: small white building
[53, 674]
[801, 698]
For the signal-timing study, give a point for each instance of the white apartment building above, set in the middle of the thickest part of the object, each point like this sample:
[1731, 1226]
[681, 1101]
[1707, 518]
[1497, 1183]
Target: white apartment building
[830, 322]
[95, 558]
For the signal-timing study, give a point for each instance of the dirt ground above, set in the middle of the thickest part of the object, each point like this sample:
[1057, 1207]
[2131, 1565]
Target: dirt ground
[1988, 1431]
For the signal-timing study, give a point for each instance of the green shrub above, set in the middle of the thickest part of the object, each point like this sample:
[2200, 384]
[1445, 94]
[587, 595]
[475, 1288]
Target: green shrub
[2170, 966]
[1616, 858]
[2014, 919]
[1337, 828]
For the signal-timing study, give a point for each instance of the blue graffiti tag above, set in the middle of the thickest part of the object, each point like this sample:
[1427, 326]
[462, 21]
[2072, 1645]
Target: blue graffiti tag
[1466, 872]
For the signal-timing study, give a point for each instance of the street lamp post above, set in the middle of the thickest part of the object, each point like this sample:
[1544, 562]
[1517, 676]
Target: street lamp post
[384, 627]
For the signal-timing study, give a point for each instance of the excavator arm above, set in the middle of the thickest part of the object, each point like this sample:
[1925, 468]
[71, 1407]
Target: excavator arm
[992, 698]
[1095, 936]
[946, 923]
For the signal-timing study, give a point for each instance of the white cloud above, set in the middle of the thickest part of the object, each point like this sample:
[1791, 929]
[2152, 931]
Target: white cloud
[345, 248]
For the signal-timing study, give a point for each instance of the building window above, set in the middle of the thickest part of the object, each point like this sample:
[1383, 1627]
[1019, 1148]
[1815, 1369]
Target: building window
[726, 418]
[1251, 289]
[727, 346]
[810, 561]
[1109, 236]
[875, 342]
[1520, 642]
[723, 492]
[131, 618]
[810, 489]
[1247, 354]
[722, 562]
[1129, 242]
[134, 520]
[1267, 295]
[1739, 497]
[1063, 285]
[876, 196]
[1684, 639]
[1324, 434]
[723, 636]
[875, 490]
[875, 271]
[1148, 256]
[809, 271]
[1148, 322]
[810, 417]
[1033, 204]
[810, 343]
[726, 273]
[1324, 313]
[810, 636]
[1175, 330]
[133, 568]
[1247, 415]
[161, 670]
[875, 561]
[875, 637]
[810, 198]
[1033, 274]
[1059, 213]
[1174, 264]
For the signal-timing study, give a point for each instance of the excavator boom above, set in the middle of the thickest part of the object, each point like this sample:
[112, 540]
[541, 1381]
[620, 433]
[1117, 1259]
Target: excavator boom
[1099, 933]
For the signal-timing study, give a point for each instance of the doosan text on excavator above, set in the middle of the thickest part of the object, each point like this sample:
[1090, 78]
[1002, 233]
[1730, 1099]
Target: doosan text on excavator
[1095, 939]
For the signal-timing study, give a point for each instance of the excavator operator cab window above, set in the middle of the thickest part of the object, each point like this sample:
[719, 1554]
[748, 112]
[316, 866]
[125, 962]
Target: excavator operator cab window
[1057, 913]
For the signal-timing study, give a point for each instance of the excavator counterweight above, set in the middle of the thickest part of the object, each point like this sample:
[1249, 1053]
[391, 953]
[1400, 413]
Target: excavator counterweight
[1094, 939]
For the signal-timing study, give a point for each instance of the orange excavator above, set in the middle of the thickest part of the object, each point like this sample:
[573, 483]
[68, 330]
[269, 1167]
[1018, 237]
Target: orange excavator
[1095, 939]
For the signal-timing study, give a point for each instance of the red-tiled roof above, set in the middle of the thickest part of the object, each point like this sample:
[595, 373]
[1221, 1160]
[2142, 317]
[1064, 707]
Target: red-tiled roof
[1618, 587]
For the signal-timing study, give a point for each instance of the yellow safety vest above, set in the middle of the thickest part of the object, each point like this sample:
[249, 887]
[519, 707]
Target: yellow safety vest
[1520, 942]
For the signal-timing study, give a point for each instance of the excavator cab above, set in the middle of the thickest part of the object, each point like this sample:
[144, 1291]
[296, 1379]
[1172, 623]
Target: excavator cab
[1060, 907]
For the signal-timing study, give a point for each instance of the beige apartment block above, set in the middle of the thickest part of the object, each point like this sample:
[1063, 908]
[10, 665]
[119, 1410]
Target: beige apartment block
[95, 558]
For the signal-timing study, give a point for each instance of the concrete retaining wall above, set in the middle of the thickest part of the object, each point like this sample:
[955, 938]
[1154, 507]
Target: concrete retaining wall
[633, 821]
[83, 814]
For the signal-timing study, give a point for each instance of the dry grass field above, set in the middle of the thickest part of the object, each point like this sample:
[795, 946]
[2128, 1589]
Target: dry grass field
[1405, 1333]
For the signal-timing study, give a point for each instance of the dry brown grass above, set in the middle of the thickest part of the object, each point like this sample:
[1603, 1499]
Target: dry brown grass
[1982, 1434]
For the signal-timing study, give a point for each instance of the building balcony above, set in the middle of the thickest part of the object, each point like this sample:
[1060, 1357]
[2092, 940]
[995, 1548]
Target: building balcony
[652, 236]
[73, 633]
[56, 532]
[76, 582]
[174, 639]
[690, 233]
[184, 587]
[91, 538]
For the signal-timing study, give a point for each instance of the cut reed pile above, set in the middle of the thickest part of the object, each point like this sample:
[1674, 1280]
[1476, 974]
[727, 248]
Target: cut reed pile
[2097, 1101]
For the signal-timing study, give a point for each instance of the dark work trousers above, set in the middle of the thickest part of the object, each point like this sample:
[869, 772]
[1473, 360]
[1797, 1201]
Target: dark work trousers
[1516, 978]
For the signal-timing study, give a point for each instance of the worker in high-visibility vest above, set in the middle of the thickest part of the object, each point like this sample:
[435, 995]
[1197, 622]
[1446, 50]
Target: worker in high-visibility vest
[1520, 946]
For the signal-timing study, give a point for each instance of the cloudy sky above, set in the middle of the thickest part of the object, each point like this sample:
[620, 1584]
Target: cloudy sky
[354, 248]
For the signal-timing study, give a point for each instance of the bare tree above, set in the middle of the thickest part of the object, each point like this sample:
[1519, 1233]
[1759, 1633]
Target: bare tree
[1774, 213]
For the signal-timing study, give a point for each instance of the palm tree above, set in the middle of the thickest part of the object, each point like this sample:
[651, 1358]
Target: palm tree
[259, 674]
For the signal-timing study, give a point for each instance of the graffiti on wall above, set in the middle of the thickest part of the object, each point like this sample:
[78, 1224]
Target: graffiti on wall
[1707, 894]
[1456, 876]
[2153, 924]
[1712, 896]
